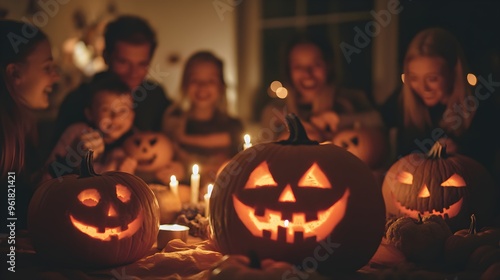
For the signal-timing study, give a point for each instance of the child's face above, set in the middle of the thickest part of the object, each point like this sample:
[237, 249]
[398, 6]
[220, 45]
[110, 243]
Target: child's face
[308, 71]
[130, 62]
[429, 77]
[36, 76]
[112, 113]
[204, 86]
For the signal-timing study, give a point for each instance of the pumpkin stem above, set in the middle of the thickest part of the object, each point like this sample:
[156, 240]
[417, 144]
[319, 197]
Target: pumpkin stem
[437, 151]
[298, 135]
[87, 166]
[472, 227]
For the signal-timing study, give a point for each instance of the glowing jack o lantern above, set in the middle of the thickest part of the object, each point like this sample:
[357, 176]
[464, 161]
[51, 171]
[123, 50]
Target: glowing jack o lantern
[271, 224]
[450, 186]
[285, 200]
[88, 220]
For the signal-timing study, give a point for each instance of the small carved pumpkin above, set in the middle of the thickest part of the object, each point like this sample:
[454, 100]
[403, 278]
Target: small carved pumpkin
[296, 200]
[368, 144]
[452, 186]
[152, 150]
[93, 220]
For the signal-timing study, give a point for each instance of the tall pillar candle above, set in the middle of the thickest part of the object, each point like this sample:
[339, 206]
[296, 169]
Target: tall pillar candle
[195, 184]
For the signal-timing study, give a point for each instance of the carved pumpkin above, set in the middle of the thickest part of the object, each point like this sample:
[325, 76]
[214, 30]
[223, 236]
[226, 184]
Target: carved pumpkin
[420, 240]
[368, 144]
[297, 200]
[152, 150]
[93, 220]
[452, 186]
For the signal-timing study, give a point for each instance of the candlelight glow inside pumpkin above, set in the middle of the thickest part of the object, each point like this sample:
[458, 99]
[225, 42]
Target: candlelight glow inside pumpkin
[92, 198]
[450, 186]
[450, 211]
[93, 220]
[270, 224]
[285, 200]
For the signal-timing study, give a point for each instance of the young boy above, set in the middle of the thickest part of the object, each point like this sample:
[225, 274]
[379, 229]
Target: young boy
[109, 121]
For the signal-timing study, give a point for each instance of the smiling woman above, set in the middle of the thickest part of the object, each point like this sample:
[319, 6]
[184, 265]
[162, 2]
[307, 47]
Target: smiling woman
[436, 103]
[27, 75]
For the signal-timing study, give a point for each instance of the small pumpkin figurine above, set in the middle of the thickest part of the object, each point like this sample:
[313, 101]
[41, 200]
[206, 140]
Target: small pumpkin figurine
[93, 220]
[460, 246]
[368, 144]
[154, 154]
[452, 186]
[421, 240]
[296, 200]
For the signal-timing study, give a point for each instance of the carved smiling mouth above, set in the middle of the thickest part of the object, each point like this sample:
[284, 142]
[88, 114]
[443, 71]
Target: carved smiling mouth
[108, 233]
[448, 212]
[271, 225]
[146, 161]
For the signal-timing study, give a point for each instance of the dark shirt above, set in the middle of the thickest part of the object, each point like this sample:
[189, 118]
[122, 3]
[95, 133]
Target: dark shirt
[476, 142]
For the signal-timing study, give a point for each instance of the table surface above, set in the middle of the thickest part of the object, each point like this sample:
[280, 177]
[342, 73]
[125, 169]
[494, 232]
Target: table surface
[387, 263]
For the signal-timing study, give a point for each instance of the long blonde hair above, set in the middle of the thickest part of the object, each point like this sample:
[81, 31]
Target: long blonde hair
[18, 127]
[438, 42]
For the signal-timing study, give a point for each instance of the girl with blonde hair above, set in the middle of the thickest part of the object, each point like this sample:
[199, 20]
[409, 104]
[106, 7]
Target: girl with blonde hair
[436, 102]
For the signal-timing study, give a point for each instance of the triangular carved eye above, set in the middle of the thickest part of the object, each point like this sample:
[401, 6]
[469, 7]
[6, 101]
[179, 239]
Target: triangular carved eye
[314, 177]
[405, 177]
[455, 180]
[261, 177]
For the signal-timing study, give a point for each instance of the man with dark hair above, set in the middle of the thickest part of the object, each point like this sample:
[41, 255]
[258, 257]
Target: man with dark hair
[130, 45]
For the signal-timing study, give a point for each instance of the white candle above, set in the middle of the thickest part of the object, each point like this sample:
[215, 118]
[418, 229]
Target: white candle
[195, 184]
[247, 143]
[210, 187]
[174, 185]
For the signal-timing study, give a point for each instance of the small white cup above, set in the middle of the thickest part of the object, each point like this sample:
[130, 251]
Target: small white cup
[171, 231]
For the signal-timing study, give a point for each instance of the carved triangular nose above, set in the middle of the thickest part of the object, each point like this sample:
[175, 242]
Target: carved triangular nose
[287, 195]
[424, 192]
[112, 211]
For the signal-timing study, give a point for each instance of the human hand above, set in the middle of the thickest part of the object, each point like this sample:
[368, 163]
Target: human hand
[327, 121]
[91, 140]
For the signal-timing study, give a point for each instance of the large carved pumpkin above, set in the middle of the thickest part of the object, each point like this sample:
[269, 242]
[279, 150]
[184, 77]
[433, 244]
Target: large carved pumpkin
[452, 186]
[93, 220]
[368, 144]
[316, 206]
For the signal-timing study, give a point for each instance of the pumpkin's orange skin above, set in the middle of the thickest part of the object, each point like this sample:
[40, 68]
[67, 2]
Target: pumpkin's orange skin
[58, 242]
[479, 194]
[357, 235]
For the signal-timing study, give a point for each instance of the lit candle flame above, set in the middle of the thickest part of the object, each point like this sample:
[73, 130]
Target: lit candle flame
[286, 222]
[173, 179]
[196, 169]
[246, 138]
[210, 189]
